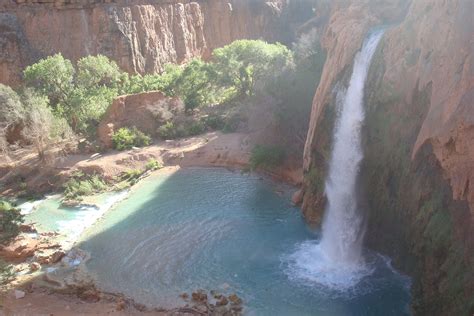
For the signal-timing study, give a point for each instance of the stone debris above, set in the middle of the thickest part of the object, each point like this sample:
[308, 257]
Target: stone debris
[19, 294]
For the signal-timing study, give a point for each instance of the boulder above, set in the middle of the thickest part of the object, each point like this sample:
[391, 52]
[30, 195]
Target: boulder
[147, 111]
[19, 294]
[35, 266]
[234, 299]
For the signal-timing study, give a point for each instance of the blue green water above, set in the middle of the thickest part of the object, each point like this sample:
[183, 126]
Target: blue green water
[221, 230]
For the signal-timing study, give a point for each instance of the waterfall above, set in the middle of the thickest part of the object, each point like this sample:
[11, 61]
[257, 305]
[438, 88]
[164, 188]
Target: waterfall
[336, 261]
[343, 227]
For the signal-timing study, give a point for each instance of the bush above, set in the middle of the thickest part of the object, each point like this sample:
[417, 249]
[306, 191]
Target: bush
[7, 274]
[267, 156]
[153, 164]
[10, 221]
[126, 138]
[171, 130]
[83, 185]
[214, 121]
[195, 128]
[132, 176]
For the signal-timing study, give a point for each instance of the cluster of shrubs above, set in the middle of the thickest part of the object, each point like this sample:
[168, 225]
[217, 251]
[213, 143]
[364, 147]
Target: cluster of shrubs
[10, 221]
[82, 184]
[213, 122]
[130, 177]
[267, 156]
[127, 138]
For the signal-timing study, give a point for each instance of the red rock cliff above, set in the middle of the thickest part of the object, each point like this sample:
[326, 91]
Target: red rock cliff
[141, 36]
[418, 169]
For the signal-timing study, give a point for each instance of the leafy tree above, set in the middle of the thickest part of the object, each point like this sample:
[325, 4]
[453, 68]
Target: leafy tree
[42, 128]
[244, 63]
[95, 72]
[11, 112]
[52, 77]
[195, 84]
[165, 82]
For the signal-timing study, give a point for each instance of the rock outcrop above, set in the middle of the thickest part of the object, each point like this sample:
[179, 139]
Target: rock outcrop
[141, 36]
[418, 140]
[146, 110]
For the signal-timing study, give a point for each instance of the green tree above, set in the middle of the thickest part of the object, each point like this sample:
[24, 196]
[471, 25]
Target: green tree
[12, 112]
[164, 82]
[194, 84]
[42, 127]
[244, 63]
[52, 77]
[95, 72]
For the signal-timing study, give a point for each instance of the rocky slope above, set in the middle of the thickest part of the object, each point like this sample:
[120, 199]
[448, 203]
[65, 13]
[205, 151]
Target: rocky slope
[141, 36]
[418, 140]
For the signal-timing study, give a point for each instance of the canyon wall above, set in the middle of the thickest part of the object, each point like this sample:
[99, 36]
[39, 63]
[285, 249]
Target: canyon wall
[417, 174]
[141, 36]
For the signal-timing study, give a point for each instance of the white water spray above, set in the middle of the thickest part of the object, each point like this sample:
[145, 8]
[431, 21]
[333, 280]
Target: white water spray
[337, 260]
[342, 227]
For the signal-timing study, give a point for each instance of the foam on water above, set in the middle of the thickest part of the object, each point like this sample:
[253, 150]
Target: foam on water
[86, 215]
[310, 265]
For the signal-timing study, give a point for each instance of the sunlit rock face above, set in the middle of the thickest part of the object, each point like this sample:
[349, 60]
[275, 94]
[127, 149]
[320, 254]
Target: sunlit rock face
[417, 173]
[148, 110]
[141, 36]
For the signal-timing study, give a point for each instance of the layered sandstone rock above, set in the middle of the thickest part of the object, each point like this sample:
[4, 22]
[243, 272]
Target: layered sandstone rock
[141, 36]
[146, 110]
[434, 47]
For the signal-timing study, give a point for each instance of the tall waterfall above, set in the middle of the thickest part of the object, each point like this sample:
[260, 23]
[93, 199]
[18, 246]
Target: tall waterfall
[343, 227]
[336, 261]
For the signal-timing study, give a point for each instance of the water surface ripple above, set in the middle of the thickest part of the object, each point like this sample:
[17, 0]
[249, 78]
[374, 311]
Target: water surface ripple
[217, 229]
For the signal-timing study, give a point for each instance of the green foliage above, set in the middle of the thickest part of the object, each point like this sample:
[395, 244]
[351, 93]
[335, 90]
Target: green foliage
[126, 138]
[315, 180]
[244, 63]
[7, 273]
[195, 128]
[170, 130]
[132, 176]
[267, 156]
[195, 85]
[153, 164]
[42, 127]
[97, 72]
[10, 221]
[83, 185]
[52, 77]
[12, 112]
[214, 121]
[80, 96]
[165, 82]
